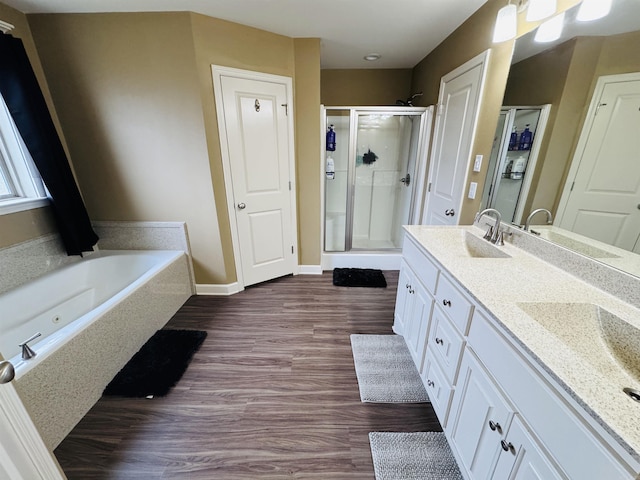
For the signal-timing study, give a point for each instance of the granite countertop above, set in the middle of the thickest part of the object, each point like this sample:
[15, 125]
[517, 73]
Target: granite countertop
[517, 289]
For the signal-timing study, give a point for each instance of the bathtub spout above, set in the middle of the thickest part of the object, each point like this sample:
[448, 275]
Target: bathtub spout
[27, 351]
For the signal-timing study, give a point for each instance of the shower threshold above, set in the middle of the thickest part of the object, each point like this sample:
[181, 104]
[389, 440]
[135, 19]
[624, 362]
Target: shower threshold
[386, 260]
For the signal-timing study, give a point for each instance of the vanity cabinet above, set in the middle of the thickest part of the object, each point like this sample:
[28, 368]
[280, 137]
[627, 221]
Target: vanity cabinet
[503, 415]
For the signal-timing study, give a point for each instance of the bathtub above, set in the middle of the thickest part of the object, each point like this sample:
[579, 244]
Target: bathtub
[94, 315]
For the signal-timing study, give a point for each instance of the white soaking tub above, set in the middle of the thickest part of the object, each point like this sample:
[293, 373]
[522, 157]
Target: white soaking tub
[93, 316]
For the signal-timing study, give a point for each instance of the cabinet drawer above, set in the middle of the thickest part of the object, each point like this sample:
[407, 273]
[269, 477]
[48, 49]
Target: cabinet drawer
[446, 343]
[549, 415]
[438, 388]
[454, 303]
[424, 269]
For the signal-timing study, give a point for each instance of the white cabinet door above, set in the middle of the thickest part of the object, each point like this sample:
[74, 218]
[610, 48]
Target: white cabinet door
[417, 324]
[479, 417]
[522, 457]
[405, 278]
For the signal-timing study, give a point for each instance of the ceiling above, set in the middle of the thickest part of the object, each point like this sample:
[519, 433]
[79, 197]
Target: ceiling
[403, 32]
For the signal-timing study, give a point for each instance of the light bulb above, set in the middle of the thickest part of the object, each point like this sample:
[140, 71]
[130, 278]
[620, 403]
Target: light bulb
[540, 9]
[506, 24]
[550, 30]
[593, 10]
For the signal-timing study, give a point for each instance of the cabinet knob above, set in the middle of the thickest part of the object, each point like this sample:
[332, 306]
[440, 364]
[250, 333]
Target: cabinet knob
[408, 286]
[411, 290]
[439, 341]
[446, 303]
[495, 426]
[507, 447]
[430, 383]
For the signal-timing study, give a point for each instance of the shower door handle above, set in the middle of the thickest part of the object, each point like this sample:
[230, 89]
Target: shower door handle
[406, 180]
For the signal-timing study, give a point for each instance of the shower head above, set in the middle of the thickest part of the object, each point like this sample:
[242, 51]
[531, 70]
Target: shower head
[409, 101]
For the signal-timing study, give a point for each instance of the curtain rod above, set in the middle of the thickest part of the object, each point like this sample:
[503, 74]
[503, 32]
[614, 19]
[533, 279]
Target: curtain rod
[6, 27]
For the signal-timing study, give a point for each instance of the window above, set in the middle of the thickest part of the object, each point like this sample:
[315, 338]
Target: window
[21, 187]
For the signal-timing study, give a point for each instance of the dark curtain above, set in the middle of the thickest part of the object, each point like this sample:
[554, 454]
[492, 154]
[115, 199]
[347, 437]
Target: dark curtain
[21, 92]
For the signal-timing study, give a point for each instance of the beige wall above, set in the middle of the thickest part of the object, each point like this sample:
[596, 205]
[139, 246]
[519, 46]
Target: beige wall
[307, 116]
[135, 92]
[360, 87]
[23, 226]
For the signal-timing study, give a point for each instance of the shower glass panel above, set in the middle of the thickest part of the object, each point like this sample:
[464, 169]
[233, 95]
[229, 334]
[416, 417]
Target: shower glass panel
[370, 177]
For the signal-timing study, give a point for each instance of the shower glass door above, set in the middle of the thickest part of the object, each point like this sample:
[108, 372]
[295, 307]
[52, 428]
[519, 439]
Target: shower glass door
[382, 187]
[371, 174]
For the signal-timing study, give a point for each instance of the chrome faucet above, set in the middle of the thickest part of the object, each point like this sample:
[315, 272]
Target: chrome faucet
[535, 212]
[493, 234]
[27, 352]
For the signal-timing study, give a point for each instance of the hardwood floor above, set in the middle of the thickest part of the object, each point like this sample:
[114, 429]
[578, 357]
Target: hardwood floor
[271, 394]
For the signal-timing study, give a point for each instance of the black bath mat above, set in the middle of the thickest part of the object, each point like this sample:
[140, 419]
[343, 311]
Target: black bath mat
[358, 277]
[158, 365]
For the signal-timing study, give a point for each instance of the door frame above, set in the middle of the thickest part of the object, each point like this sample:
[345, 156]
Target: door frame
[218, 72]
[584, 136]
[22, 450]
[482, 60]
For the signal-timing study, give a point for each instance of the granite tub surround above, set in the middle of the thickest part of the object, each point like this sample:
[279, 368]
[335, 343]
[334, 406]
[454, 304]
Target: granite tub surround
[68, 382]
[534, 301]
[145, 236]
[28, 260]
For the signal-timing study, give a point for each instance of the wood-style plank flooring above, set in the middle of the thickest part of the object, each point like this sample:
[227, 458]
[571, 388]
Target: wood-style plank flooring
[271, 394]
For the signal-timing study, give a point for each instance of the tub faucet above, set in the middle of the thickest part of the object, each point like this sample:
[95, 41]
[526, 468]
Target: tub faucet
[535, 212]
[493, 234]
[27, 351]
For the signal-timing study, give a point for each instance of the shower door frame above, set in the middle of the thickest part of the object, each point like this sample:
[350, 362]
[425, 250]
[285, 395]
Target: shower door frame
[420, 170]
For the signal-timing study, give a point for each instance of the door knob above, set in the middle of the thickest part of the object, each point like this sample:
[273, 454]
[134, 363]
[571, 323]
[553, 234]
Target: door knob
[449, 212]
[406, 180]
[6, 372]
[241, 206]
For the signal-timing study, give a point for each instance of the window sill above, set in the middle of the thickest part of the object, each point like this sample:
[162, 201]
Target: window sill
[22, 204]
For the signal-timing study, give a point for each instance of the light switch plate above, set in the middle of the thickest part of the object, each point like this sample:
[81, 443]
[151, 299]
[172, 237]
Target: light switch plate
[477, 165]
[473, 186]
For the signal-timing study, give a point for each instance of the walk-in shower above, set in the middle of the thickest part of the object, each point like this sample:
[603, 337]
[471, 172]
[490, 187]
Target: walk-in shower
[374, 179]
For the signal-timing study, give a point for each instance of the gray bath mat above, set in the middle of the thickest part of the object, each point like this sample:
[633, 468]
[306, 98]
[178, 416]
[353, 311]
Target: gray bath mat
[385, 370]
[413, 456]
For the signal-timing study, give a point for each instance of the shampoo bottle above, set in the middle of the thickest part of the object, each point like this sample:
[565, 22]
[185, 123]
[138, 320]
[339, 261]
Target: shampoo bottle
[525, 139]
[331, 139]
[513, 140]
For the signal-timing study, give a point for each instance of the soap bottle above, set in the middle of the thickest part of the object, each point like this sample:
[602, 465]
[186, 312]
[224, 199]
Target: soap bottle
[330, 169]
[331, 139]
[525, 139]
[513, 140]
[517, 170]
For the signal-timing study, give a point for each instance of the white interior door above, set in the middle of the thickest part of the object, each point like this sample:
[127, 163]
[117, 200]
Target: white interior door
[603, 198]
[458, 106]
[258, 134]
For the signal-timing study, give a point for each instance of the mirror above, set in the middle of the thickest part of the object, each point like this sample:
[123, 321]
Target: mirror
[565, 75]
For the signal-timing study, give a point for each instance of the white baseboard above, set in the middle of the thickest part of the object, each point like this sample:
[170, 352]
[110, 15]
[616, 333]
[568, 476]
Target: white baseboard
[220, 290]
[310, 270]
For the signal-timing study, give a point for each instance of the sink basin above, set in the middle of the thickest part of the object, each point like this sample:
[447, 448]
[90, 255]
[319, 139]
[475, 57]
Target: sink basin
[601, 338]
[480, 248]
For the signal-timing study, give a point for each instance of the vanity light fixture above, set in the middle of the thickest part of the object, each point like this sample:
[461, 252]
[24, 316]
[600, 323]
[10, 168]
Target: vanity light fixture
[372, 57]
[540, 9]
[593, 10]
[506, 24]
[550, 30]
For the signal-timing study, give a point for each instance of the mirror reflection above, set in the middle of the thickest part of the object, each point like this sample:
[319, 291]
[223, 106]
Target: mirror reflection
[583, 163]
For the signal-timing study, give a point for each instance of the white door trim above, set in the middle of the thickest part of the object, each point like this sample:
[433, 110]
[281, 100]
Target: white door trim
[479, 60]
[218, 72]
[23, 454]
[584, 135]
